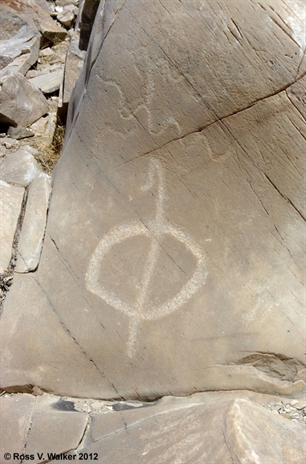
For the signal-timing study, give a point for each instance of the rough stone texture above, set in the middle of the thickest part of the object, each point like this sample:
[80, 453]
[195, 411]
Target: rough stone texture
[17, 38]
[35, 425]
[68, 15]
[20, 102]
[214, 428]
[73, 66]
[49, 81]
[20, 167]
[16, 413]
[37, 13]
[19, 133]
[34, 223]
[11, 198]
[219, 430]
[174, 257]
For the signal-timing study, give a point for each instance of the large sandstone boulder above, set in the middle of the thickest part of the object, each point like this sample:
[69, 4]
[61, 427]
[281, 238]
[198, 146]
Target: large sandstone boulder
[174, 255]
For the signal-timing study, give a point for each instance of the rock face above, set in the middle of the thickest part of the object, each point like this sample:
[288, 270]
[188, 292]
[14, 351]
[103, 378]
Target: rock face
[214, 427]
[11, 198]
[174, 254]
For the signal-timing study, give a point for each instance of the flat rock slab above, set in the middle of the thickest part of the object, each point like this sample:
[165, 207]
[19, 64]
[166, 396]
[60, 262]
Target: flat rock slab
[34, 426]
[174, 255]
[34, 224]
[219, 430]
[211, 427]
[22, 63]
[21, 103]
[48, 82]
[20, 167]
[11, 198]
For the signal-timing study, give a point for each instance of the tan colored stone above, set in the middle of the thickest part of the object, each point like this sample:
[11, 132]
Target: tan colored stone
[68, 15]
[20, 167]
[33, 225]
[174, 255]
[54, 430]
[214, 427]
[19, 133]
[16, 414]
[37, 13]
[256, 435]
[17, 38]
[73, 66]
[21, 103]
[11, 198]
[49, 81]
[21, 64]
[206, 428]
[34, 427]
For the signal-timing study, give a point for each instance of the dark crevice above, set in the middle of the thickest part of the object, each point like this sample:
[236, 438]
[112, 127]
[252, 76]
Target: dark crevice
[29, 429]
[85, 433]
[287, 199]
[68, 332]
[297, 108]
[6, 279]
[67, 265]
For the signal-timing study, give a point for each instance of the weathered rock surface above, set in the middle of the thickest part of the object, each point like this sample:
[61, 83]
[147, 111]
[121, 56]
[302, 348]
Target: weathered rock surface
[175, 242]
[19, 133]
[218, 430]
[20, 167]
[19, 44]
[37, 14]
[20, 102]
[73, 67]
[67, 15]
[36, 426]
[11, 198]
[34, 223]
[48, 82]
[210, 427]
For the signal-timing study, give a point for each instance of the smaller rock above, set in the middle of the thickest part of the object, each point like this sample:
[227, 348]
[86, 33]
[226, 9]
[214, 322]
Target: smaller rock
[34, 223]
[48, 82]
[46, 52]
[20, 167]
[68, 15]
[48, 68]
[21, 103]
[8, 142]
[11, 198]
[301, 404]
[19, 133]
[45, 127]
[59, 9]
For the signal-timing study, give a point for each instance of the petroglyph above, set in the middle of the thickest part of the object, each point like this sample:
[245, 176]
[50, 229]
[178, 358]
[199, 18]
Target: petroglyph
[159, 123]
[143, 309]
